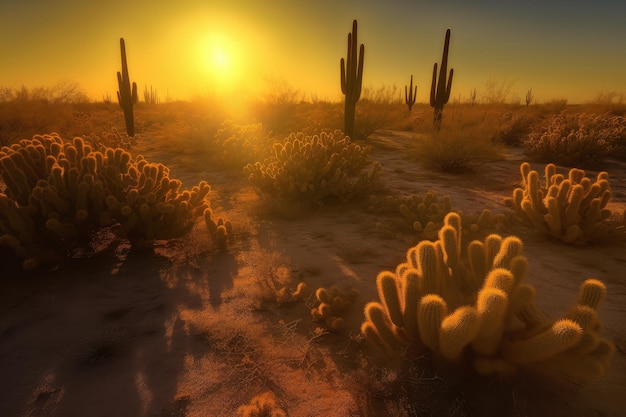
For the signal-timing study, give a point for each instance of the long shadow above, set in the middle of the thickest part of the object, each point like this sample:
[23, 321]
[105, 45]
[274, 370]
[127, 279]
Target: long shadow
[84, 341]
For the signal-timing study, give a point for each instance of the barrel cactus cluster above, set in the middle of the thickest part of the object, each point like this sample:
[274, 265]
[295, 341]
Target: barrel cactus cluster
[331, 304]
[473, 303]
[425, 215]
[58, 193]
[571, 209]
[315, 169]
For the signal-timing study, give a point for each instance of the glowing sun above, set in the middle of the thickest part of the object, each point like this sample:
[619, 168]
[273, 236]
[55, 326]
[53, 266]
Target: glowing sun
[219, 56]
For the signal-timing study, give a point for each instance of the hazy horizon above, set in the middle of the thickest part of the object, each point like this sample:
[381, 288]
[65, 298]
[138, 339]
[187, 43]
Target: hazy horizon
[199, 48]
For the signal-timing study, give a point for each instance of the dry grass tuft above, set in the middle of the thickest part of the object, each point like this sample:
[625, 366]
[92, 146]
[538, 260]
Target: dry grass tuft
[465, 142]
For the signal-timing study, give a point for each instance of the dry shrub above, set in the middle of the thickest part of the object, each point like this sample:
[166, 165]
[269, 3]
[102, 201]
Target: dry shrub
[378, 108]
[465, 141]
[263, 405]
[515, 127]
[577, 139]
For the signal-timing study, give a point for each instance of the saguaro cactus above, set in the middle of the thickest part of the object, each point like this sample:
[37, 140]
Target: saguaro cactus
[125, 96]
[529, 97]
[351, 79]
[410, 94]
[439, 90]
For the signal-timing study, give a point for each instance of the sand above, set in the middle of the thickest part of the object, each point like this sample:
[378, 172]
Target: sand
[179, 329]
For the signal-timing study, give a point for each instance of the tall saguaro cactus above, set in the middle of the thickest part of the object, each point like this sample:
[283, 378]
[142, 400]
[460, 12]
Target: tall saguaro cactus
[125, 96]
[410, 94]
[351, 79]
[439, 89]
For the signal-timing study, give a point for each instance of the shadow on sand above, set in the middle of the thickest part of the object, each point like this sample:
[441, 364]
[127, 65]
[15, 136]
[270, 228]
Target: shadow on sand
[103, 337]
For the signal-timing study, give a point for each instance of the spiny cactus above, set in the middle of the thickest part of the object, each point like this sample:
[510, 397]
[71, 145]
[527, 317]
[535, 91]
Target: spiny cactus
[331, 305]
[125, 96]
[59, 192]
[473, 303]
[439, 89]
[424, 215]
[352, 79]
[571, 209]
[573, 139]
[315, 169]
[410, 94]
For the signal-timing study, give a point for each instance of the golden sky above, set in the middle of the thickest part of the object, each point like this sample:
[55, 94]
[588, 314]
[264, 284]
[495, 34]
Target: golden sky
[185, 48]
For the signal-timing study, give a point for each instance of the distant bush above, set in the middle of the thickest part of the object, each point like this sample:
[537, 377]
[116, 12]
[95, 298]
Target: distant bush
[378, 108]
[465, 141]
[237, 145]
[63, 92]
[515, 127]
[577, 139]
[314, 169]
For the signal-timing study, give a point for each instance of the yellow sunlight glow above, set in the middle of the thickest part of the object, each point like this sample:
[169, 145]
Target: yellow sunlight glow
[219, 57]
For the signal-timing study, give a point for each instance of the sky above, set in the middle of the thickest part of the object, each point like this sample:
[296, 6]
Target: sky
[571, 50]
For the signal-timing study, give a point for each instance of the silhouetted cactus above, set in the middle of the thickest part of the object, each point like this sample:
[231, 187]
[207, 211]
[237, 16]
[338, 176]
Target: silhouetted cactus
[125, 96]
[352, 79]
[529, 97]
[439, 90]
[410, 94]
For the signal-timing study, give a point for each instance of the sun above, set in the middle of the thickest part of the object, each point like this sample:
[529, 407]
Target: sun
[219, 57]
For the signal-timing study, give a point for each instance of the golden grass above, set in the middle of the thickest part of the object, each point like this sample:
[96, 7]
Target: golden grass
[465, 141]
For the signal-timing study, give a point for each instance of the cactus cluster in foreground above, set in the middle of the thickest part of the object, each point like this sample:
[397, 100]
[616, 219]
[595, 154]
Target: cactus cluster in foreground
[473, 303]
[58, 193]
[571, 209]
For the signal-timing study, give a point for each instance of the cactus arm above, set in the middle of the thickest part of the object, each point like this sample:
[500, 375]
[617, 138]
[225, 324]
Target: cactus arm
[457, 331]
[388, 293]
[563, 335]
[492, 306]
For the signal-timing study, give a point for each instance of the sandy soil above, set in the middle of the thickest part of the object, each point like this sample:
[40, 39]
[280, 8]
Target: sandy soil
[177, 329]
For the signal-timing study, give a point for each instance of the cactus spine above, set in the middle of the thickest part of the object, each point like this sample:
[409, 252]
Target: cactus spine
[351, 79]
[439, 89]
[410, 94]
[125, 96]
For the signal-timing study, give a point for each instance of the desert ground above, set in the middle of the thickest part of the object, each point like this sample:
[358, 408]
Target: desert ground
[176, 328]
